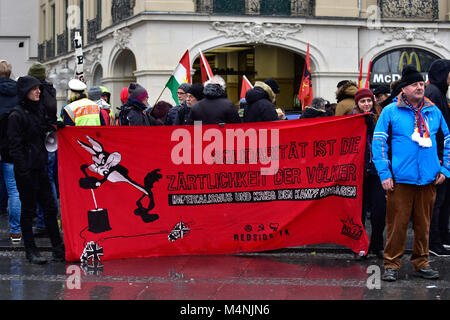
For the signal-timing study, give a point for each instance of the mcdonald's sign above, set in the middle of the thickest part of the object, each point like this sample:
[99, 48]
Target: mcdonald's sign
[388, 67]
[408, 58]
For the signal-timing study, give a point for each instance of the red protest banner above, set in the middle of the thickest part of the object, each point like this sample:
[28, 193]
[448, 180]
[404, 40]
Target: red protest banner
[184, 190]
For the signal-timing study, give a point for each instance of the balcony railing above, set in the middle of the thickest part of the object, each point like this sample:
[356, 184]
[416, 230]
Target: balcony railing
[122, 9]
[93, 26]
[409, 9]
[257, 7]
[62, 42]
[49, 49]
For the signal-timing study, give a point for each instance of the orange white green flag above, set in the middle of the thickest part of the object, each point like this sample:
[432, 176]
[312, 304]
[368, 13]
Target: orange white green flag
[182, 74]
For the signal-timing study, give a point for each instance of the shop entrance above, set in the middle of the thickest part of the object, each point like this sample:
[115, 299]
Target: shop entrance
[257, 62]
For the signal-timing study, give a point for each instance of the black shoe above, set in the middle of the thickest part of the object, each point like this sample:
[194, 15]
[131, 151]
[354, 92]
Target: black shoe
[427, 273]
[390, 275]
[39, 232]
[59, 254]
[439, 251]
[35, 257]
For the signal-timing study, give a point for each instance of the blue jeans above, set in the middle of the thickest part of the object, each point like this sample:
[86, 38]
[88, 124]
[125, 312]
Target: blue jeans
[3, 194]
[52, 166]
[13, 196]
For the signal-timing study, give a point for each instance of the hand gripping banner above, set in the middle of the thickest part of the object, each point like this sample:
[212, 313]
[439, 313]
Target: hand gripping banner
[196, 190]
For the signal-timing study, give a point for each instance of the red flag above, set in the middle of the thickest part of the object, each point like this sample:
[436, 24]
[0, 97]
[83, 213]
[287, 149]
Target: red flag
[305, 94]
[368, 75]
[205, 68]
[246, 85]
[360, 75]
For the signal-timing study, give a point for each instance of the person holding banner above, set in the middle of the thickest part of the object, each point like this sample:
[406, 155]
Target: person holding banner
[411, 173]
[345, 97]
[374, 196]
[260, 104]
[27, 128]
[215, 108]
[81, 111]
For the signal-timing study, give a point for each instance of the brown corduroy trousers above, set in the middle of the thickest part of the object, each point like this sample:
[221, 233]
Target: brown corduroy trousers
[407, 199]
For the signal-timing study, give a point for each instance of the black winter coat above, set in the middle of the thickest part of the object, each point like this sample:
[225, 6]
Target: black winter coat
[48, 100]
[215, 108]
[136, 114]
[26, 134]
[8, 94]
[259, 107]
[436, 91]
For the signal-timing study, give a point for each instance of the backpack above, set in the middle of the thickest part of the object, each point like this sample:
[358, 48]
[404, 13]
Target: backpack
[123, 116]
[4, 148]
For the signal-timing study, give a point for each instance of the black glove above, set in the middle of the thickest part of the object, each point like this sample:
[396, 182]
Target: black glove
[60, 125]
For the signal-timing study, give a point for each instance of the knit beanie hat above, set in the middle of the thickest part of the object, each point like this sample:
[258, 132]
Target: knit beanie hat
[37, 70]
[124, 95]
[160, 110]
[95, 93]
[410, 75]
[197, 91]
[138, 92]
[184, 86]
[363, 93]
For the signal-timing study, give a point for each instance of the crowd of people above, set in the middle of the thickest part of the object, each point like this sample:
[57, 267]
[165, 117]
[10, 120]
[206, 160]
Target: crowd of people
[407, 156]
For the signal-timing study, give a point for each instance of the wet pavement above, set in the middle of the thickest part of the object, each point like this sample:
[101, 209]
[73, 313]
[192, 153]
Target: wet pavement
[319, 272]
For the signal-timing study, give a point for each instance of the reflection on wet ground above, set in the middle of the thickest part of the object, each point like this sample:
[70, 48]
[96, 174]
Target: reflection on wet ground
[288, 275]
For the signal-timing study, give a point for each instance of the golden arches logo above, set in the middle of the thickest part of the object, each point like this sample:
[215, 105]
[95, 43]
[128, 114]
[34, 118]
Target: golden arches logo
[409, 60]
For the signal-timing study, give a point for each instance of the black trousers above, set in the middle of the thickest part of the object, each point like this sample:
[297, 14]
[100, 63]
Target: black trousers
[374, 200]
[439, 232]
[34, 189]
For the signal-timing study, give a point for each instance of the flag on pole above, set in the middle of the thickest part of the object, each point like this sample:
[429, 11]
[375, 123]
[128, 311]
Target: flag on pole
[79, 65]
[246, 85]
[205, 68]
[368, 75]
[182, 74]
[305, 94]
[360, 74]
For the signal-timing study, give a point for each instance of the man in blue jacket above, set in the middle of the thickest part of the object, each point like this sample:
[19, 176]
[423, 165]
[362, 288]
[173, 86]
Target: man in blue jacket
[409, 170]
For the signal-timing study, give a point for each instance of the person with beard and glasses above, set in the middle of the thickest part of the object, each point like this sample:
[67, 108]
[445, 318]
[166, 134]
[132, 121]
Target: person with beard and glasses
[436, 91]
[409, 170]
[27, 129]
[214, 108]
[172, 118]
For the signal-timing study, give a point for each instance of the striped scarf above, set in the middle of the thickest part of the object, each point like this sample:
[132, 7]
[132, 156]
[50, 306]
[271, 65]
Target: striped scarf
[421, 134]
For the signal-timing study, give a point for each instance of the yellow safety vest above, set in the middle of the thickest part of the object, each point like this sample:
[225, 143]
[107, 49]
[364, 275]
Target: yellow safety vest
[84, 112]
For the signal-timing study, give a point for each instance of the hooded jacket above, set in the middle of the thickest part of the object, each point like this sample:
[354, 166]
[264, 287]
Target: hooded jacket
[27, 131]
[410, 163]
[345, 97]
[8, 94]
[260, 105]
[214, 108]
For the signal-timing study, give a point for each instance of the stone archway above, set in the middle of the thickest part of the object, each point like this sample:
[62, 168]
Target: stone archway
[123, 67]
[97, 75]
[257, 62]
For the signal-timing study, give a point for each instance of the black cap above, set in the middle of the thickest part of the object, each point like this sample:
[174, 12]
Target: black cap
[410, 75]
[197, 91]
[273, 85]
[383, 89]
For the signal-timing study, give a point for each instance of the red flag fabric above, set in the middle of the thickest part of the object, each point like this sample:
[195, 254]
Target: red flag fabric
[305, 94]
[368, 75]
[163, 191]
[360, 74]
[246, 85]
[205, 68]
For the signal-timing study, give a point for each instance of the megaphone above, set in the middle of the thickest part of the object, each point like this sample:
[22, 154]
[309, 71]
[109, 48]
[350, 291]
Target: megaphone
[51, 141]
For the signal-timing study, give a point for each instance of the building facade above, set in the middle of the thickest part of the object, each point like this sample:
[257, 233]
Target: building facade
[143, 41]
[19, 34]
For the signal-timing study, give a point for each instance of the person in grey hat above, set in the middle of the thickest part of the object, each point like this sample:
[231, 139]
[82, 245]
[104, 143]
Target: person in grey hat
[96, 95]
[172, 118]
